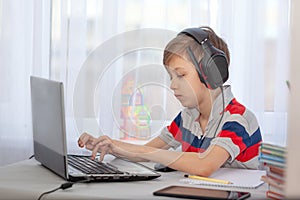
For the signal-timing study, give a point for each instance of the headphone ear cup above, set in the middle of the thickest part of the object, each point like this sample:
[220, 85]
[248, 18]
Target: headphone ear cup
[214, 66]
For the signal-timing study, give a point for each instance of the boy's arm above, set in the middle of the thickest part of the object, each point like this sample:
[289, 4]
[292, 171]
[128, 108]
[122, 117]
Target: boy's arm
[202, 164]
[157, 142]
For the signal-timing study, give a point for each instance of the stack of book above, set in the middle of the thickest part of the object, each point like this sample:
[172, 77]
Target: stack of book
[273, 158]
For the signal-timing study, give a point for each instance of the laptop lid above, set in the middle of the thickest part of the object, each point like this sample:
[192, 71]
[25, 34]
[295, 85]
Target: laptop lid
[48, 123]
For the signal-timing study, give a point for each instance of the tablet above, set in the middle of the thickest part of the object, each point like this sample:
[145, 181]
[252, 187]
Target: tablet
[200, 193]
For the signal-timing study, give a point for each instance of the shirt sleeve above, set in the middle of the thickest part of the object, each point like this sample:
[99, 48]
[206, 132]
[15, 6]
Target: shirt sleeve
[168, 138]
[169, 133]
[233, 137]
[227, 144]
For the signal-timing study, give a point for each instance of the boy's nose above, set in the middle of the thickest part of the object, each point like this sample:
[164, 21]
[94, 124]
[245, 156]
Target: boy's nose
[173, 85]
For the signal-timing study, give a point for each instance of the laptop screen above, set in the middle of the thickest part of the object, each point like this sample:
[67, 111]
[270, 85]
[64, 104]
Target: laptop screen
[48, 123]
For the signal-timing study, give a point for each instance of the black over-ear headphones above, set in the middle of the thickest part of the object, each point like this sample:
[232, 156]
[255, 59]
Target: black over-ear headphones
[213, 67]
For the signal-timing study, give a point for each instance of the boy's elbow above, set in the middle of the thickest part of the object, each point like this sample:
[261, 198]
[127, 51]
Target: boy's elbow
[206, 170]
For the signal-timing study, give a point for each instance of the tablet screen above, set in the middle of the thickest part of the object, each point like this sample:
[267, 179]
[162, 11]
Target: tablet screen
[196, 193]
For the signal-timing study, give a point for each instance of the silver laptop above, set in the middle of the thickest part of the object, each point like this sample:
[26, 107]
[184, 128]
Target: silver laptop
[50, 149]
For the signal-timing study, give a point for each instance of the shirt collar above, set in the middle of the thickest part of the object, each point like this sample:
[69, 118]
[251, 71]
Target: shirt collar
[217, 105]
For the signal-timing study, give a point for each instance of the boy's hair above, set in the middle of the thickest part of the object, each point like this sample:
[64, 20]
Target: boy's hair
[178, 46]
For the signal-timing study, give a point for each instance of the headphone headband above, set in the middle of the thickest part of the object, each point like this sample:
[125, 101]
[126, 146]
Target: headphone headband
[198, 34]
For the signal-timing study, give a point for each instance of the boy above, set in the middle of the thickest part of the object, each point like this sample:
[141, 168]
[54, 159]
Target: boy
[214, 130]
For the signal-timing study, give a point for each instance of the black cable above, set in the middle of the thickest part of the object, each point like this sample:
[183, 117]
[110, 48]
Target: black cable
[63, 187]
[223, 100]
[195, 63]
[31, 157]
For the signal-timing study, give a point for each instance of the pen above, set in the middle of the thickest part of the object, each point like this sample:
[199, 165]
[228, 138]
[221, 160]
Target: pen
[207, 179]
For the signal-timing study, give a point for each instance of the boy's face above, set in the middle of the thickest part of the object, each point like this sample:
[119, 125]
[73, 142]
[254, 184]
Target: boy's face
[185, 82]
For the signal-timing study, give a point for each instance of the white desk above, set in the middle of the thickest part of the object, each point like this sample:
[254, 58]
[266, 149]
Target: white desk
[28, 179]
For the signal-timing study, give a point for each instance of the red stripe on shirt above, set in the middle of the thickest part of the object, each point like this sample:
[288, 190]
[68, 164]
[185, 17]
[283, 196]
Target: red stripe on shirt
[175, 131]
[249, 153]
[186, 147]
[177, 134]
[235, 107]
[237, 140]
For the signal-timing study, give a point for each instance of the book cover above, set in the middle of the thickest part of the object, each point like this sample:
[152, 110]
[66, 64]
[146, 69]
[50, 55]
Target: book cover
[277, 177]
[276, 190]
[273, 147]
[276, 170]
[273, 153]
[273, 195]
[272, 182]
[271, 162]
[272, 158]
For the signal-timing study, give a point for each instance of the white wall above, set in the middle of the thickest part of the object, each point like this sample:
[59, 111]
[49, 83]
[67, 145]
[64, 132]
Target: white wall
[293, 145]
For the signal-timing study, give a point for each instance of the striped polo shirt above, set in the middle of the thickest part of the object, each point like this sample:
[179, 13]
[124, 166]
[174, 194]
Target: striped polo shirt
[238, 132]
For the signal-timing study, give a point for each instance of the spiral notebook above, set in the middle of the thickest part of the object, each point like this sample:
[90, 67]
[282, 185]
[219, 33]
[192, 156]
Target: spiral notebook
[240, 178]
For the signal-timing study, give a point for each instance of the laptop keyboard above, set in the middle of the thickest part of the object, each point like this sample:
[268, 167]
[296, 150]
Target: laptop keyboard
[88, 166]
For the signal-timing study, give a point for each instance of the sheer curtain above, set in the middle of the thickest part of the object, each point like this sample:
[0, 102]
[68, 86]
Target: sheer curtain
[66, 41]
[24, 50]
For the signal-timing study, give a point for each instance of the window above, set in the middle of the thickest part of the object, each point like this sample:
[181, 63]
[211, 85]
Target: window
[60, 38]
